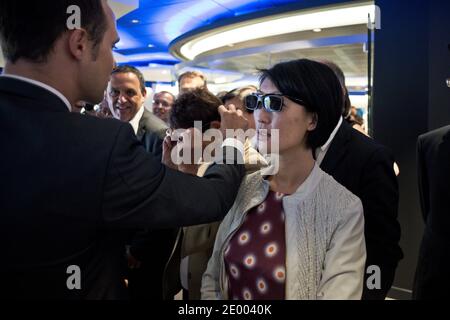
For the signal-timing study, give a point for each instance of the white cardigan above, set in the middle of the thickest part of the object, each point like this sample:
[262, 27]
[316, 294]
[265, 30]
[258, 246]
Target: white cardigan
[325, 246]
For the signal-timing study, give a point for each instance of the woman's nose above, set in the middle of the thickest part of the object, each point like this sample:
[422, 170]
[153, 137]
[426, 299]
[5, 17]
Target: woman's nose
[263, 116]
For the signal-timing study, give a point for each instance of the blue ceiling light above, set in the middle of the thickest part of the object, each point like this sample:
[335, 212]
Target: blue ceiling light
[190, 18]
[162, 21]
[126, 40]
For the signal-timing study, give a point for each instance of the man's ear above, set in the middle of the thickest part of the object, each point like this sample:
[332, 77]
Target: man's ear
[144, 95]
[215, 125]
[313, 122]
[78, 43]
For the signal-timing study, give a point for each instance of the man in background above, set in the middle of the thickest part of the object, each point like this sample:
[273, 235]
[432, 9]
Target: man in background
[127, 91]
[146, 261]
[365, 167]
[191, 80]
[432, 278]
[162, 104]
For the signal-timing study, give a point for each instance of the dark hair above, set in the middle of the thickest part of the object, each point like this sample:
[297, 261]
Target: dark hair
[193, 74]
[240, 93]
[221, 94]
[315, 84]
[135, 71]
[195, 105]
[340, 74]
[29, 30]
[165, 92]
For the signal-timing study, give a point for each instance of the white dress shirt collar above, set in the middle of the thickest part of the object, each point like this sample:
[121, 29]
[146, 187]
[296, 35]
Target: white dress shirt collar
[321, 151]
[136, 119]
[333, 134]
[42, 85]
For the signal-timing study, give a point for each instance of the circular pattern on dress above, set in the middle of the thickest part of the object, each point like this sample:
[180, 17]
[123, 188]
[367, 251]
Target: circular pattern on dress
[279, 196]
[247, 294]
[261, 285]
[271, 249]
[262, 207]
[265, 228]
[244, 238]
[227, 250]
[234, 271]
[279, 274]
[249, 261]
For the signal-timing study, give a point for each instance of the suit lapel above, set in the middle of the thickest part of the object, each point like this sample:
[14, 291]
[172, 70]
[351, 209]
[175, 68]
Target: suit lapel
[446, 137]
[337, 149]
[142, 128]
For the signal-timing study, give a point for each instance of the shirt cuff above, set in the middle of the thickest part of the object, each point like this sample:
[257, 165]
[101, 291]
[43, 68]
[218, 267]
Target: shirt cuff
[235, 143]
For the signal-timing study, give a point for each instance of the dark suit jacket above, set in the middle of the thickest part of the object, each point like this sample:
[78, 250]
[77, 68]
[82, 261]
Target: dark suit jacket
[71, 183]
[432, 275]
[366, 169]
[145, 283]
[151, 133]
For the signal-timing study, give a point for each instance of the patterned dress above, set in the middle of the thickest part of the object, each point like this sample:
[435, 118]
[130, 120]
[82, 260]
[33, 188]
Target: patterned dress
[255, 258]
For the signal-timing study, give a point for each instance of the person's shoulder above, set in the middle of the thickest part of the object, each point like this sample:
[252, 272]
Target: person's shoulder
[97, 130]
[91, 124]
[363, 142]
[366, 148]
[251, 186]
[338, 195]
[252, 181]
[435, 136]
[152, 124]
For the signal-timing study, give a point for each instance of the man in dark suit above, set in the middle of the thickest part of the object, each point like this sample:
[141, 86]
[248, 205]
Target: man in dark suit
[70, 184]
[366, 168]
[146, 261]
[127, 93]
[432, 278]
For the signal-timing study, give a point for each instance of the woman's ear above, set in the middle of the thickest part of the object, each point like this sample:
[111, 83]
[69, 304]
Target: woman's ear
[215, 125]
[314, 118]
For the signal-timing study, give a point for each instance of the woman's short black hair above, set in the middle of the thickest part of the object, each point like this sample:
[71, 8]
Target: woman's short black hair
[194, 105]
[318, 86]
[29, 29]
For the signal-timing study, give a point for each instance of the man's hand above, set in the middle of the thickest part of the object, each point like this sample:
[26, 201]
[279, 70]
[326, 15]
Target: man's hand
[168, 145]
[232, 119]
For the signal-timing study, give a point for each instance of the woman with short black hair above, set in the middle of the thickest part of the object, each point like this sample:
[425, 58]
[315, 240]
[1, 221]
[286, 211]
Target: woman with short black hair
[297, 234]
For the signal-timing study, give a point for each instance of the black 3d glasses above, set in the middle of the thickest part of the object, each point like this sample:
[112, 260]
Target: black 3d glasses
[271, 102]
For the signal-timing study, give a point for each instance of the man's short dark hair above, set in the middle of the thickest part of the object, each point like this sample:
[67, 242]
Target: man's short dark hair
[318, 86]
[29, 30]
[166, 92]
[195, 105]
[135, 71]
[340, 74]
[191, 75]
